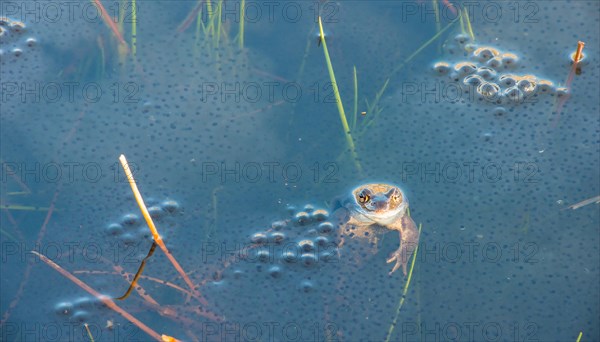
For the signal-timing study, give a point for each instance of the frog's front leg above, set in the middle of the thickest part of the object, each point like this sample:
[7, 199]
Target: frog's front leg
[409, 239]
[345, 224]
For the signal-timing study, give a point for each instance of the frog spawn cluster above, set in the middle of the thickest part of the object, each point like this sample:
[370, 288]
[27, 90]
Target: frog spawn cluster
[130, 230]
[306, 239]
[79, 310]
[11, 37]
[487, 77]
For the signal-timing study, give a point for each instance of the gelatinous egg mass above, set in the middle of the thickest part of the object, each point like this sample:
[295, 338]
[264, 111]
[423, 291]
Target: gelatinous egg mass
[492, 65]
[14, 42]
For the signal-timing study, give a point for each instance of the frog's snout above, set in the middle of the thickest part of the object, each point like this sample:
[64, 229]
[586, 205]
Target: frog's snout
[380, 205]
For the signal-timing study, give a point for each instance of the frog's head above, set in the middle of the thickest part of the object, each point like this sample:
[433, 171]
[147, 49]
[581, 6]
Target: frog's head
[380, 200]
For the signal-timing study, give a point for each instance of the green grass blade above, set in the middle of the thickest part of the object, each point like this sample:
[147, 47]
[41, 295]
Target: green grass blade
[89, 332]
[300, 72]
[102, 58]
[217, 36]
[211, 231]
[378, 96]
[133, 28]
[469, 27]
[438, 23]
[241, 33]
[24, 207]
[338, 99]
[5, 233]
[404, 290]
[373, 110]
[199, 26]
[426, 44]
[462, 23]
[355, 100]
[211, 14]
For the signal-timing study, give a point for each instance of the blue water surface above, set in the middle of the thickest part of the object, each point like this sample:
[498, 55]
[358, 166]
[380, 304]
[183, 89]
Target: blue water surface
[227, 123]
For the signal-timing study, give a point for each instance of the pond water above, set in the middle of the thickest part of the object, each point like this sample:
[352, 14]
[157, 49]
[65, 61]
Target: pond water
[227, 114]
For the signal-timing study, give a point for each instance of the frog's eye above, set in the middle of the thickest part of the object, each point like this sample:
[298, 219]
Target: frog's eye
[364, 198]
[395, 195]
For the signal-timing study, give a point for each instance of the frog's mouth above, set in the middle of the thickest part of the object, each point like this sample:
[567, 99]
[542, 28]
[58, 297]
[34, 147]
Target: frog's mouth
[383, 213]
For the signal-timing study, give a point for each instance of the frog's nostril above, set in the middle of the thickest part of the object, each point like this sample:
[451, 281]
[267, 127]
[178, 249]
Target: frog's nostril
[380, 205]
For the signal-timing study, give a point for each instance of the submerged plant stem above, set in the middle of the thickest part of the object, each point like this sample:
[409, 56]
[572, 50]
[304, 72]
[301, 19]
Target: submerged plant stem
[88, 332]
[300, 72]
[585, 202]
[196, 12]
[138, 273]
[24, 207]
[579, 53]
[426, 44]
[107, 301]
[106, 17]
[371, 109]
[155, 235]
[560, 102]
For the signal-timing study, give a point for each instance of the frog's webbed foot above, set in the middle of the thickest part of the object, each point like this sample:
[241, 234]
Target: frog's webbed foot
[409, 239]
[401, 260]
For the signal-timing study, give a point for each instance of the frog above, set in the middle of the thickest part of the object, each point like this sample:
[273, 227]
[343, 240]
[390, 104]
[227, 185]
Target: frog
[346, 230]
[316, 257]
[370, 207]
